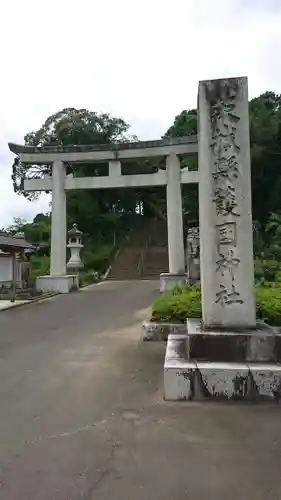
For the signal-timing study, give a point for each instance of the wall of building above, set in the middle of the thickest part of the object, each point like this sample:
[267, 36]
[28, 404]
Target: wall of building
[6, 269]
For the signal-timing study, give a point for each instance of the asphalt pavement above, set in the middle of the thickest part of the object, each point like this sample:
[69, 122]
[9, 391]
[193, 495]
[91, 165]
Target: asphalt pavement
[82, 415]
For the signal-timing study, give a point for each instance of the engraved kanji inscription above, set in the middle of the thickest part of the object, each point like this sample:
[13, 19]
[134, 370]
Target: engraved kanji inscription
[226, 234]
[223, 141]
[227, 263]
[225, 147]
[223, 105]
[225, 111]
[226, 298]
[225, 200]
[226, 168]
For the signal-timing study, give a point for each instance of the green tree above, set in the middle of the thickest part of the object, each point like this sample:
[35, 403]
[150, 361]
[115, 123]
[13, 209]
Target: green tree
[37, 232]
[265, 137]
[80, 127]
[67, 127]
[265, 134]
[184, 124]
[17, 226]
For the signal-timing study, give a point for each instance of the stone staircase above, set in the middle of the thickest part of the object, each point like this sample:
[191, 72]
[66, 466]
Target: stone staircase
[125, 266]
[155, 262]
[145, 256]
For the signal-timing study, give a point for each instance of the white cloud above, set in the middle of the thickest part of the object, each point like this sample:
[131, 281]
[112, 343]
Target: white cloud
[138, 60]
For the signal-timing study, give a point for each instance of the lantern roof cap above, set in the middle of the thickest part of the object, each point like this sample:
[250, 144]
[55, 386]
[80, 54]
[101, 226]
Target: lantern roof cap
[74, 231]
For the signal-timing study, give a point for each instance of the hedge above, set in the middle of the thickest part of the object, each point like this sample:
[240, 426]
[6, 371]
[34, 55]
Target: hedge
[185, 302]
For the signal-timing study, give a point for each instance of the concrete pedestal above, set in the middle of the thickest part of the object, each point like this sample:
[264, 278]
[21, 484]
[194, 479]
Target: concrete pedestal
[61, 284]
[186, 378]
[168, 281]
[261, 344]
[179, 372]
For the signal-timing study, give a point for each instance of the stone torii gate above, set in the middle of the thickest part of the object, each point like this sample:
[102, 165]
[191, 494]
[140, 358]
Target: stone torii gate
[225, 212]
[59, 183]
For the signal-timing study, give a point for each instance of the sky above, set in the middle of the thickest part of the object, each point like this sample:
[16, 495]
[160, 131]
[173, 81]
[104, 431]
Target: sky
[139, 60]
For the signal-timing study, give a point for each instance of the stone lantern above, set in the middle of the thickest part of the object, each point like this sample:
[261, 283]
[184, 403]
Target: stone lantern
[75, 245]
[192, 255]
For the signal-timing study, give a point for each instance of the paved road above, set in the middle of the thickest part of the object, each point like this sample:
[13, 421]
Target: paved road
[82, 415]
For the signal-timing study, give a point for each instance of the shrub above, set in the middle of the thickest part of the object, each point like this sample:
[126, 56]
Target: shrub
[40, 266]
[98, 258]
[268, 303]
[266, 270]
[185, 302]
[176, 306]
[88, 277]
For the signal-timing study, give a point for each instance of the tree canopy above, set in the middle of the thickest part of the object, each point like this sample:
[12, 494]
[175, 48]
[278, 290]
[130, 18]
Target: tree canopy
[67, 127]
[265, 137]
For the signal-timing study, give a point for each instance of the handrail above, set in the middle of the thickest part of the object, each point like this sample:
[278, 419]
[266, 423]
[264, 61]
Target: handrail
[141, 259]
[143, 253]
[107, 272]
[114, 257]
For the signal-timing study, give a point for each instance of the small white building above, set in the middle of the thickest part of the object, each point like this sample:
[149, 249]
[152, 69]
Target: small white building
[13, 261]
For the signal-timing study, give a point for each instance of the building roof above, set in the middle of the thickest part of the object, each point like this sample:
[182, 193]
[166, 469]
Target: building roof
[9, 243]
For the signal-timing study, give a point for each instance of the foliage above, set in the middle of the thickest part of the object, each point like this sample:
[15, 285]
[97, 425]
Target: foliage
[98, 258]
[272, 237]
[87, 277]
[184, 124]
[267, 247]
[37, 232]
[178, 305]
[265, 127]
[67, 127]
[16, 227]
[268, 303]
[185, 302]
[265, 135]
[40, 266]
[266, 270]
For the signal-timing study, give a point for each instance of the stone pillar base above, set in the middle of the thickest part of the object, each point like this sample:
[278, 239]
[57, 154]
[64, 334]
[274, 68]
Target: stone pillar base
[202, 380]
[61, 284]
[168, 281]
[260, 344]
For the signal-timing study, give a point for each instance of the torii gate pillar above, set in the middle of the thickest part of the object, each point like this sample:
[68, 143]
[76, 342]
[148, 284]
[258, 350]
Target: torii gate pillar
[176, 274]
[58, 280]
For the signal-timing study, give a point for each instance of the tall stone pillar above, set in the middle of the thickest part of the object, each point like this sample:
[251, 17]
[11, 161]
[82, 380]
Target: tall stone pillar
[176, 273]
[58, 230]
[58, 280]
[226, 246]
[174, 216]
